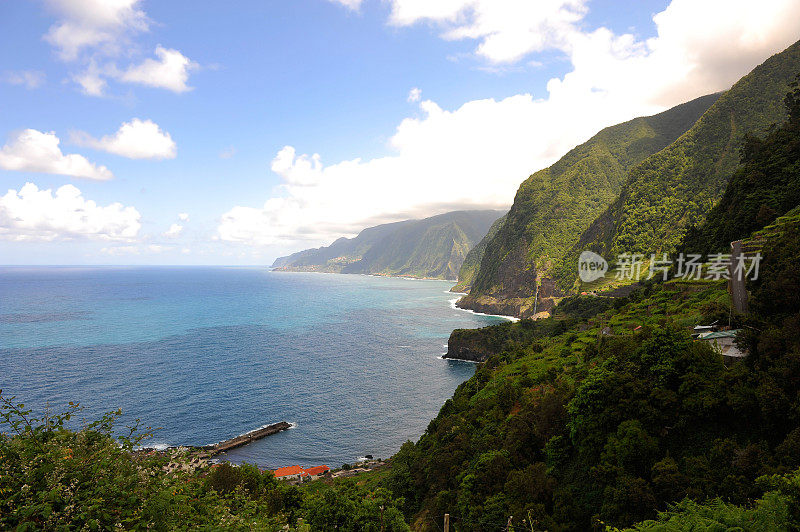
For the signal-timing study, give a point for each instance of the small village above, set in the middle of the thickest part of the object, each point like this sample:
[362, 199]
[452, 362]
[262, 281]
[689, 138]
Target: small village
[298, 475]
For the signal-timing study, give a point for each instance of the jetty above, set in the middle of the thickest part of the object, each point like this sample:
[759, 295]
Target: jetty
[207, 451]
[244, 439]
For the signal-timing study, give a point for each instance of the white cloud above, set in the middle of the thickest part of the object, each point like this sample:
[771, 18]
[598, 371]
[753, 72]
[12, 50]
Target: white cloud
[91, 81]
[300, 171]
[414, 95]
[137, 139]
[119, 251]
[507, 30]
[174, 231]
[227, 153]
[476, 155]
[116, 251]
[184, 216]
[101, 25]
[350, 4]
[94, 33]
[31, 79]
[170, 71]
[34, 151]
[33, 214]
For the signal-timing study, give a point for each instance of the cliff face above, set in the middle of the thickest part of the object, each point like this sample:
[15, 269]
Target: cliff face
[632, 188]
[675, 188]
[555, 205]
[468, 344]
[469, 269]
[514, 290]
[433, 247]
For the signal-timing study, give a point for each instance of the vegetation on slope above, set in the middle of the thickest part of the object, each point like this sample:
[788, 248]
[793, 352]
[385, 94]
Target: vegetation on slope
[53, 478]
[677, 187]
[777, 511]
[608, 412]
[553, 206]
[469, 268]
[568, 427]
[434, 247]
[765, 186]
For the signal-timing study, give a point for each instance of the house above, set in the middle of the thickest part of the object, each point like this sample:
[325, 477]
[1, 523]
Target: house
[294, 472]
[317, 471]
[723, 343]
[703, 329]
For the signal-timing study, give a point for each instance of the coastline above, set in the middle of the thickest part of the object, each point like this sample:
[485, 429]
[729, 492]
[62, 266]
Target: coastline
[387, 275]
[192, 427]
[456, 307]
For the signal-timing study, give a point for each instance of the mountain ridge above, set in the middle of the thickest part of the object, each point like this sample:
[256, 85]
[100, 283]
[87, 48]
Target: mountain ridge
[659, 196]
[554, 205]
[433, 247]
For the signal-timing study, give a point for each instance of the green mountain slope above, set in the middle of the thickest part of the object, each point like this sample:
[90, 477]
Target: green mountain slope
[609, 411]
[553, 206]
[566, 426]
[469, 269]
[434, 247]
[766, 185]
[342, 248]
[677, 187]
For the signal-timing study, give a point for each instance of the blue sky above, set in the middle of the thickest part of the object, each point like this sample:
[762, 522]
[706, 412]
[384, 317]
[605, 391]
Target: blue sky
[332, 78]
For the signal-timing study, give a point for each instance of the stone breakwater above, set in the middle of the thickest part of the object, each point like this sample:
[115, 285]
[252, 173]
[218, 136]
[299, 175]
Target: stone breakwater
[248, 437]
[207, 451]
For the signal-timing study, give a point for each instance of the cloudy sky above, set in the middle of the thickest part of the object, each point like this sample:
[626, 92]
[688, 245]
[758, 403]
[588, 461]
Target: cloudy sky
[186, 132]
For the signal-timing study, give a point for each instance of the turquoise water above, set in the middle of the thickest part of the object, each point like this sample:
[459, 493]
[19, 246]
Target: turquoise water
[209, 353]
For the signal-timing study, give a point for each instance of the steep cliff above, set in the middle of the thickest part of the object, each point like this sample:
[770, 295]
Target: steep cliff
[555, 205]
[677, 187]
[469, 269]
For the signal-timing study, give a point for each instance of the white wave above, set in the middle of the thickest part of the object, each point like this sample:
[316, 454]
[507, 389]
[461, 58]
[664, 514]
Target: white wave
[154, 446]
[458, 359]
[454, 307]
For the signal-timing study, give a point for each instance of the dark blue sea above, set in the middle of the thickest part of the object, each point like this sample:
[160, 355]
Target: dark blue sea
[206, 354]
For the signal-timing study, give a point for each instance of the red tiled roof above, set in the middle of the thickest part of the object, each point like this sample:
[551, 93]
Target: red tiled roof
[318, 470]
[287, 471]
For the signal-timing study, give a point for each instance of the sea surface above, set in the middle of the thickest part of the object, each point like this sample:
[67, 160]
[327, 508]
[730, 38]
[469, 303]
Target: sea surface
[205, 354]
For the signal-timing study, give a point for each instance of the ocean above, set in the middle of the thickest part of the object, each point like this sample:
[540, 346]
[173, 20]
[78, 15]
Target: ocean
[204, 354]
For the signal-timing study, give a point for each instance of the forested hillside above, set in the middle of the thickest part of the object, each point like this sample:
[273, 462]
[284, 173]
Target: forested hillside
[585, 418]
[553, 206]
[766, 186]
[677, 187]
[659, 195]
[433, 247]
[469, 269]
[609, 411]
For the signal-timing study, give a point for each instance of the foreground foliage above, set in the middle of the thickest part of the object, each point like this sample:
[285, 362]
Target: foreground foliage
[54, 478]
